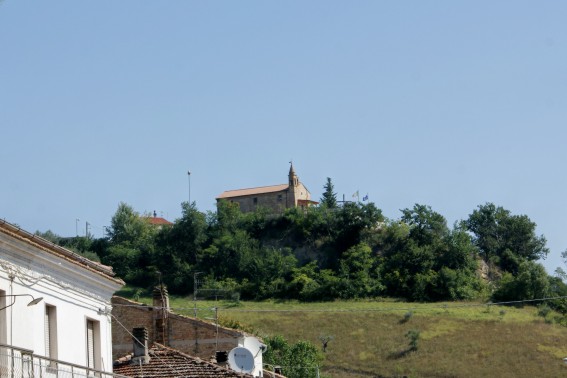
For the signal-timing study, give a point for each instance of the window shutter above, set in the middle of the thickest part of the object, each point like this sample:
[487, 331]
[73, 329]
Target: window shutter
[47, 333]
[90, 344]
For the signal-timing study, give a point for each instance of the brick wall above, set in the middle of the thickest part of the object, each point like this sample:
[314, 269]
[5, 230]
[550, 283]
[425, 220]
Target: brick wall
[187, 334]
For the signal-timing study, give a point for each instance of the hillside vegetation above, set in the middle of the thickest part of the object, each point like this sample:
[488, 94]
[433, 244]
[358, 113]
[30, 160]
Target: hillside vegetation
[370, 338]
[329, 252]
[349, 251]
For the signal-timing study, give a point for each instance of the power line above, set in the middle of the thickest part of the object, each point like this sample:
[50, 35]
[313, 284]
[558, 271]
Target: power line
[337, 310]
[406, 308]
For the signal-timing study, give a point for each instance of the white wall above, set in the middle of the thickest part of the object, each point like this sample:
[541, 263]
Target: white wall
[256, 348]
[76, 292]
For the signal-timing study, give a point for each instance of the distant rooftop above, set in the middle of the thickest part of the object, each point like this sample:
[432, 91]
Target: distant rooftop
[157, 221]
[252, 191]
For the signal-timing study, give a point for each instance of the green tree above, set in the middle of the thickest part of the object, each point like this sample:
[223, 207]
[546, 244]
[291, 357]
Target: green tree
[558, 288]
[49, 235]
[358, 273]
[426, 225]
[530, 282]
[131, 246]
[266, 270]
[559, 271]
[424, 260]
[125, 261]
[410, 266]
[299, 360]
[352, 224]
[257, 222]
[223, 257]
[329, 198]
[505, 239]
[79, 244]
[127, 227]
[413, 337]
[227, 218]
[309, 283]
[457, 268]
[178, 248]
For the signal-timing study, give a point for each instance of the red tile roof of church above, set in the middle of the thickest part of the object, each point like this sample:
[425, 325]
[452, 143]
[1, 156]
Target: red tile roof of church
[306, 202]
[252, 191]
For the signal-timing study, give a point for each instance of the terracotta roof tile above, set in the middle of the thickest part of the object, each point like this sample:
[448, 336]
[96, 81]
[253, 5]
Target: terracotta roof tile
[54, 249]
[306, 202]
[168, 363]
[158, 221]
[252, 191]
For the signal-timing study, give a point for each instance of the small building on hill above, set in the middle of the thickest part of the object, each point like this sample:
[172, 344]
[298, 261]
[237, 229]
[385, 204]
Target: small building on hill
[157, 222]
[275, 197]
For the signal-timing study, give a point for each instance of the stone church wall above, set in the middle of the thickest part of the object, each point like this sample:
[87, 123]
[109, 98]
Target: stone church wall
[276, 201]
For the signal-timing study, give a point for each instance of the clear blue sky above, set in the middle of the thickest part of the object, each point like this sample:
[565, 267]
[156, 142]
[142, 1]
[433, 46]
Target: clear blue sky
[443, 103]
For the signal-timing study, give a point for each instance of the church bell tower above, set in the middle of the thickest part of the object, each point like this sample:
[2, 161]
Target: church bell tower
[293, 187]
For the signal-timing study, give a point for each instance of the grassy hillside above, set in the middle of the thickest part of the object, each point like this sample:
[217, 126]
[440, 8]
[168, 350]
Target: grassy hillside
[368, 338]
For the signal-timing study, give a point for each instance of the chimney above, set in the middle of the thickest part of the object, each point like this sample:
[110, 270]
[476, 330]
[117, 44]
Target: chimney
[221, 357]
[140, 339]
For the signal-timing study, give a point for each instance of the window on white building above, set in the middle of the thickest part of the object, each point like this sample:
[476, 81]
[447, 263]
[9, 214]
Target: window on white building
[93, 344]
[50, 332]
[3, 321]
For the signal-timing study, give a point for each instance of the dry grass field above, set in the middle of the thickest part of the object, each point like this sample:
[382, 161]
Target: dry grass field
[369, 338]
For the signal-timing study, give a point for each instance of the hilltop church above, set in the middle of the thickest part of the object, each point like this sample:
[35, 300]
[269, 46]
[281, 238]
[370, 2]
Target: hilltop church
[276, 198]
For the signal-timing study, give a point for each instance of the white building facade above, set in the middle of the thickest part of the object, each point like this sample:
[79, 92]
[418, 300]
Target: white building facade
[71, 323]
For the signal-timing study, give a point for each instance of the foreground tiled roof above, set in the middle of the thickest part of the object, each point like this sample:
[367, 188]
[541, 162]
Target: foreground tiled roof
[54, 249]
[252, 191]
[169, 363]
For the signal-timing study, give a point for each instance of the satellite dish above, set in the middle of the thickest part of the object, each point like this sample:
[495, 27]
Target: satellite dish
[254, 345]
[241, 359]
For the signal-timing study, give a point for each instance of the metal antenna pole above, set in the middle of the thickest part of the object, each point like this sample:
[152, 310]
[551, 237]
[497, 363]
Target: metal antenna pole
[189, 176]
[217, 327]
[195, 289]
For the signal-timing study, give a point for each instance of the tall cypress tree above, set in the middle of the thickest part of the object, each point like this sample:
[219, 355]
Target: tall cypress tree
[329, 198]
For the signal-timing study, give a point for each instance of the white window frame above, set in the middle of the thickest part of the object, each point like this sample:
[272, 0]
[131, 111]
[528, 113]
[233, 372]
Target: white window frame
[92, 344]
[50, 332]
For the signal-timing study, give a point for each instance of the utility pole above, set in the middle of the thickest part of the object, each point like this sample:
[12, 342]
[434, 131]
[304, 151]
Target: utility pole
[189, 176]
[217, 328]
[195, 284]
